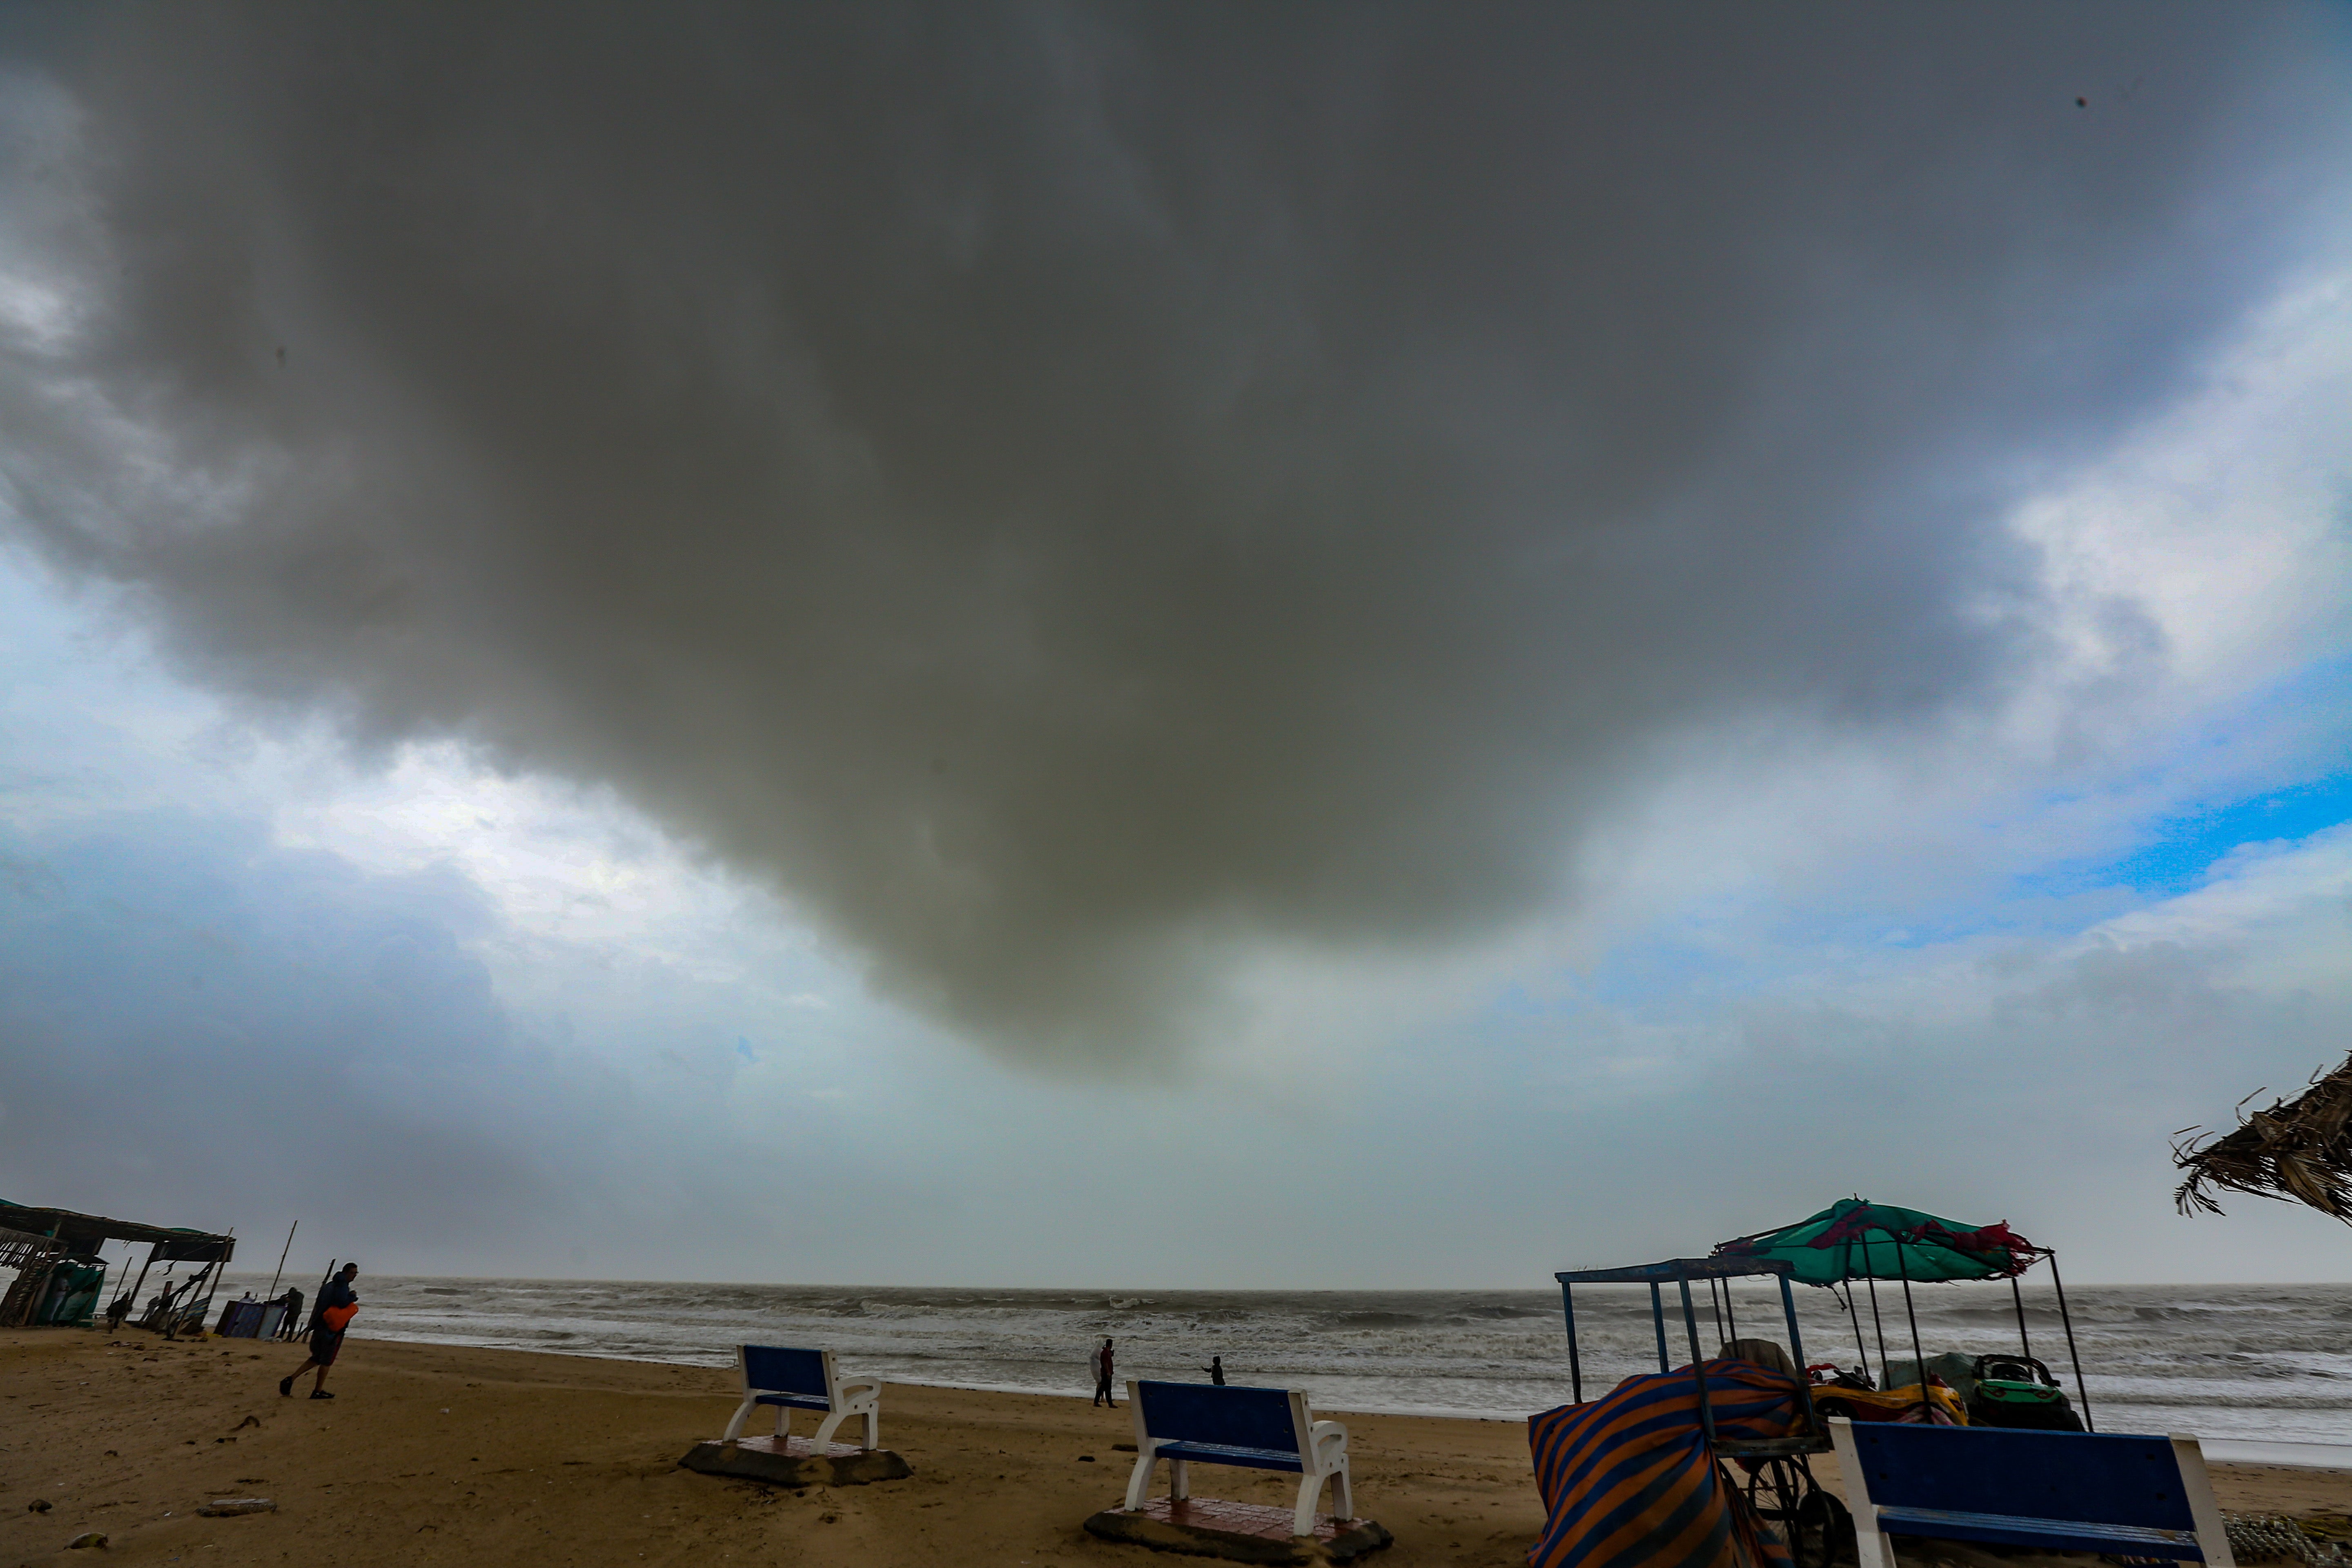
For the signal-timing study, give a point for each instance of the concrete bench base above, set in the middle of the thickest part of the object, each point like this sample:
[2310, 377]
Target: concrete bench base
[795, 1462]
[1236, 1532]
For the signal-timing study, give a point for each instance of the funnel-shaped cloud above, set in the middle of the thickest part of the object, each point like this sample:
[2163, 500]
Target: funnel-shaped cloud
[1069, 493]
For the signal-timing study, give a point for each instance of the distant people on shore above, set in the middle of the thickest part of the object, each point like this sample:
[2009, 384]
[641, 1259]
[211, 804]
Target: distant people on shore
[289, 1327]
[1216, 1370]
[338, 1302]
[1100, 1363]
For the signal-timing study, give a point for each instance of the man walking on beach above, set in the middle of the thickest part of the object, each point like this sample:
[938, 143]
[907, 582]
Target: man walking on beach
[337, 1303]
[1100, 1364]
[1216, 1370]
[290, 1325]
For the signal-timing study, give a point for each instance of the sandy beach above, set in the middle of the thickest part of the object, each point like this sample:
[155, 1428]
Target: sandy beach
[434, 1455]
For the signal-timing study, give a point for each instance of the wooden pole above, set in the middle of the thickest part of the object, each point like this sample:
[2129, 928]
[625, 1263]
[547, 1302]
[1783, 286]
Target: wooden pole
[142, 1282]
[281, 1261]
[330, 1273]
[219, 1269]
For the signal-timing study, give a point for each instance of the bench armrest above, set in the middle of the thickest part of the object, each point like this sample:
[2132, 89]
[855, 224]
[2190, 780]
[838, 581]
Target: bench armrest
[1330, 1443]
[859, 1387]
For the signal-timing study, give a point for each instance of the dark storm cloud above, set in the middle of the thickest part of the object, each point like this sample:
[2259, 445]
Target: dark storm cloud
[1066, 492]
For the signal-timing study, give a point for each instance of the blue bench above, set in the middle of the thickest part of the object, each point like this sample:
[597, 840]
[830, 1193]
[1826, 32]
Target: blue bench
[793, 1380]
[2057, 1491]
[1256, 1428]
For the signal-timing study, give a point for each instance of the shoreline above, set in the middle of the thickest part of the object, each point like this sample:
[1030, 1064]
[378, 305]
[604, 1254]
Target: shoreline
[1018, 1390]
[2318, 1453]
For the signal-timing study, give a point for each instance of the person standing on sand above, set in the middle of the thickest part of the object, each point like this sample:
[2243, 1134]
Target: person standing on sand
[1216, 1370]
[337, 1302]
[1100, 1364]
[290, 1325]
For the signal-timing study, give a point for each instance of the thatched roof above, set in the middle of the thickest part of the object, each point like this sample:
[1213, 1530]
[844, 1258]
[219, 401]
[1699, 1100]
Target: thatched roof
[82, 1233]
[2299, 1149]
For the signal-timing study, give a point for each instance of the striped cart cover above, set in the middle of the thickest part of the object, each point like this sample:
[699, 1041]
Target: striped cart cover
[1628, 1482]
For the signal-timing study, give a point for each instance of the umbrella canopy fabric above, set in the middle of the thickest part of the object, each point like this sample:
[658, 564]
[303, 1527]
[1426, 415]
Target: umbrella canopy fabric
[1855, 1238]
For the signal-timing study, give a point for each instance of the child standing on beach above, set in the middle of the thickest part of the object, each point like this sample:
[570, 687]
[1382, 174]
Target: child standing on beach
[1100, 1364]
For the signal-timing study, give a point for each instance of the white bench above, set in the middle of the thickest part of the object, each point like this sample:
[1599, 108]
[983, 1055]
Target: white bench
[803, 1380]
[2054, 1492]
[1256, 1428]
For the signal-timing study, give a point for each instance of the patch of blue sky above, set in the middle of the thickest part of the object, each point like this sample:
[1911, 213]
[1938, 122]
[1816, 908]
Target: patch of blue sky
[1643, 971]
[2184, 848]
[2266, 769]
[2269, 770]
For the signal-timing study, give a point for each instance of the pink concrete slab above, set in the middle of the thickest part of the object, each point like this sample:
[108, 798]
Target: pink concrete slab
[1235, 1517]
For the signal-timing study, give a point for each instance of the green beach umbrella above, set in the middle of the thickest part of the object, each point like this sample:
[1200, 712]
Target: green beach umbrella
[1855, 1238]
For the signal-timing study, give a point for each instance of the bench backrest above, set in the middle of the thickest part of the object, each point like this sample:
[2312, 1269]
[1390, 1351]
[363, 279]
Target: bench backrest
[773, 1368]
[2087, 1478]
[1231, 1417]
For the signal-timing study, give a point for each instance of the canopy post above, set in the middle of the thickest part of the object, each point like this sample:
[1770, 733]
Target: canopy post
[1690, 1320]
[1845, 1305]
[2067, 1319]
[1698, 1364]
[1918, 1356]
[1852, 1313]
[1658, 1317]
[1796, 1349]
[1575, 1368]
[1730, 1316]
[2024, 1344]
[1715, 1305]
[1880, 1323]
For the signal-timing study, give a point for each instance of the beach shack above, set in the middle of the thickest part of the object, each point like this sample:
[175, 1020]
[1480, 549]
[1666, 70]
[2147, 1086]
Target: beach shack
[61, 1277]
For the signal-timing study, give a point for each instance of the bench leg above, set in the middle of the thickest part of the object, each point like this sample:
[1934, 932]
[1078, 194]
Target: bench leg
[828, 1426]
[873, 1428]
[742, 1414]
[1343, 1496]
[1179, 1481]
[783, 1423]
[1871, 1547]
[1310, 1491]
[1139, 1483]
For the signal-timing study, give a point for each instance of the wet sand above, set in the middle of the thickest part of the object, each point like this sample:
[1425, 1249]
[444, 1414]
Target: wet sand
[434, 1455]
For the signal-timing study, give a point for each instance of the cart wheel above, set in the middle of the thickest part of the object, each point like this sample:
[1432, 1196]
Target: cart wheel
[1775, 1492]
[1822, 1536]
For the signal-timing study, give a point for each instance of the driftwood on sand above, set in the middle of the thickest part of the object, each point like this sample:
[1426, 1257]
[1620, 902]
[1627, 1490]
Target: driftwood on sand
[2298, 1151]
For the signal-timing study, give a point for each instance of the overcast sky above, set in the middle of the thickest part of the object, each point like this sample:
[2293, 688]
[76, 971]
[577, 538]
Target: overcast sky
[1318, 645]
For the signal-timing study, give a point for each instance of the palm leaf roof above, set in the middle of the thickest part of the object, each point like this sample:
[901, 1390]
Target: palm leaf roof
[2299, 1150]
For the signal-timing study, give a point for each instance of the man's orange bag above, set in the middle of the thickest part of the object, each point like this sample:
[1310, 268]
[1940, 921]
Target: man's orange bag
[336, 1318]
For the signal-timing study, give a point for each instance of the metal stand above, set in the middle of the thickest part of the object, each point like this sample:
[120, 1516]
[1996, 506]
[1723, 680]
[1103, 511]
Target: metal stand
[2067, 1319]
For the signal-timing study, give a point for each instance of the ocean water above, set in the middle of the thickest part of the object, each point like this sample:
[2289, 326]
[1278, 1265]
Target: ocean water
[2257, 1361]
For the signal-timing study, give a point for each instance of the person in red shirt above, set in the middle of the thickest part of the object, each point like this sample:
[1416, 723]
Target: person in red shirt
[1100, 1364]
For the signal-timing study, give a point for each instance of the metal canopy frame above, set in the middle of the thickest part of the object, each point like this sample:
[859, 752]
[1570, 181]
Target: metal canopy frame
[1679, 1272]
[1918, 1356]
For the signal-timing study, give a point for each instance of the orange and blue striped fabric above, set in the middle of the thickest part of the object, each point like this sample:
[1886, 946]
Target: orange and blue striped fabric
[1628, 1482]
